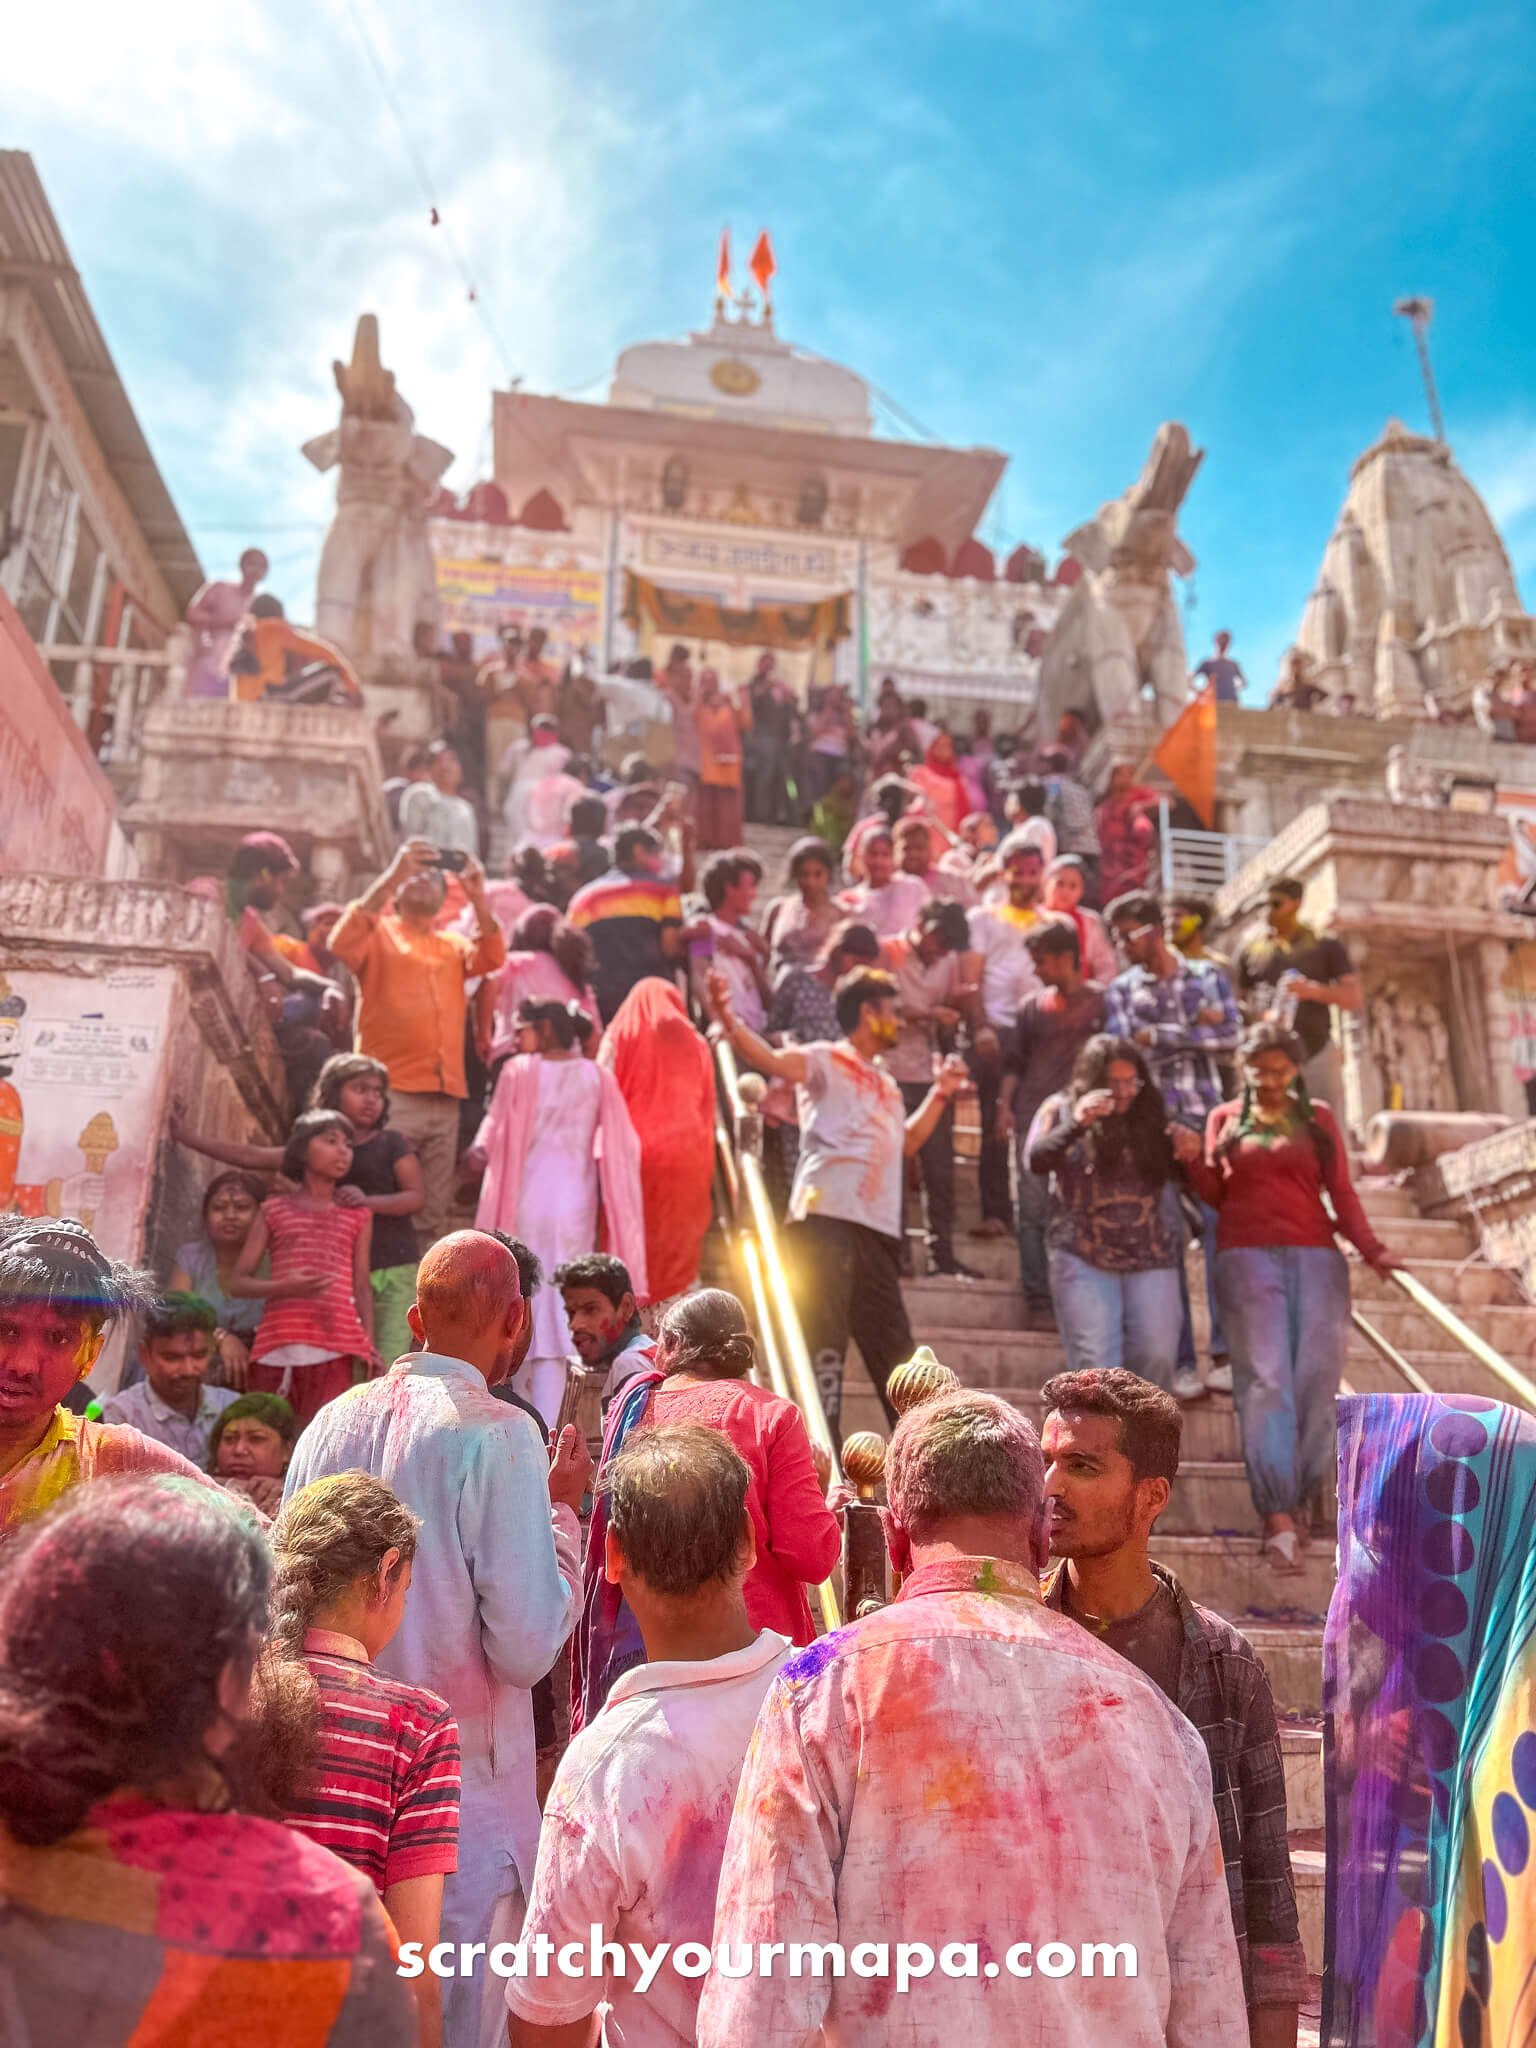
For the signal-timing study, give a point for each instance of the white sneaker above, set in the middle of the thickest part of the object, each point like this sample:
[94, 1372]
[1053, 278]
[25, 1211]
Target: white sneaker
[1219, 1379]
[1187, 1385]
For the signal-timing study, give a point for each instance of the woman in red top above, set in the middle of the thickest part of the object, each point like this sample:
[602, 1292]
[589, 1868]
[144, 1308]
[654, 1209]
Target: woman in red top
[706, 1351]
[1281, 1281]
[317, 1326]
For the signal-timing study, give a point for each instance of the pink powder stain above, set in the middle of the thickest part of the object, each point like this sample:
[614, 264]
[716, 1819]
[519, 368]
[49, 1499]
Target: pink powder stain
[693, 1854]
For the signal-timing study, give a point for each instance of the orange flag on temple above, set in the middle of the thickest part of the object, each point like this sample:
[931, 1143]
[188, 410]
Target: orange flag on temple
[762, 265]
[723, 276]
[1186, 753]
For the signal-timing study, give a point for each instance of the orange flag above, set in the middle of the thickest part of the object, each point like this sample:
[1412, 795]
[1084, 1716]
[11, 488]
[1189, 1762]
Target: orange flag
[1186, 753]
[762, 265]
[723, 276]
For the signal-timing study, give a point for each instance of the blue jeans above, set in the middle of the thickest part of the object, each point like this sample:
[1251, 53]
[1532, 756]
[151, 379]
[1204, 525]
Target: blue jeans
[1218, 1344]
[1116, 1319]
[1033, 1212]
[1287, 1315]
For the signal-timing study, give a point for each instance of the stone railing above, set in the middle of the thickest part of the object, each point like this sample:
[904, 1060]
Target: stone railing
[70, 925]
[208, 773]
[1415, 832]
[1494, 1182]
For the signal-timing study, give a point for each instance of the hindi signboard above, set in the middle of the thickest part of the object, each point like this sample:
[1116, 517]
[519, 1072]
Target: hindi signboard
[482, 597]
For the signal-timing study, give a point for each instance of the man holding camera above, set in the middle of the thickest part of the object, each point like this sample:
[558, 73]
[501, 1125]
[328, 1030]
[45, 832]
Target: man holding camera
[412, 1000]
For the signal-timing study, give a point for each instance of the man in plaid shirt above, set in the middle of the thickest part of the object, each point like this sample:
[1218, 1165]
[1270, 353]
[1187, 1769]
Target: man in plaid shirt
[1111, 1444]
[1184, 1016]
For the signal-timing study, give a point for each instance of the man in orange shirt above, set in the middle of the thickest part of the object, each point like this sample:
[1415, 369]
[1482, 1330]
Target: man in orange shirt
[412, 1002]
[720, 723]
[258, 664]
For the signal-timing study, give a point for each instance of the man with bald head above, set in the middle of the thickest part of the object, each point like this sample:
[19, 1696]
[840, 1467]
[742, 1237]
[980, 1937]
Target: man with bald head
[497, 1579]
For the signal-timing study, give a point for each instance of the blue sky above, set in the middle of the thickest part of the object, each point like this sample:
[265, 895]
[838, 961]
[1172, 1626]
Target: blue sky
[1041, 228]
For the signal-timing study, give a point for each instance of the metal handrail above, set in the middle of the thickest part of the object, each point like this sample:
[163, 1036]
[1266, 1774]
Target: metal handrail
[1390, 1353]
[785, 1351]
[1450, 1324]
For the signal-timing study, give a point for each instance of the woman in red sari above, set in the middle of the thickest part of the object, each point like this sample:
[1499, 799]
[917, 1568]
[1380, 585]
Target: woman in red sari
[667, 1080]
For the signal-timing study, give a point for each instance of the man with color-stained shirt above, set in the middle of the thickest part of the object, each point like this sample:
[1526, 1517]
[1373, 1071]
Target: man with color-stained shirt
[844, 1243]
[1111, 1444]
[413, 997]
[965, 1767]
[927, 967]
[1000, 966]
[636, 1821]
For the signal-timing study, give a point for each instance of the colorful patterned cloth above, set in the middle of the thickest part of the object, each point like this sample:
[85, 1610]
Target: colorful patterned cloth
[1429, 1684]
[151, 1928]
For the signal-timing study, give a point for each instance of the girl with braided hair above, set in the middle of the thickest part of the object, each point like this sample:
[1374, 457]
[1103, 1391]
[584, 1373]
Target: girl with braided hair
[1282, 1284]
[384, 1790]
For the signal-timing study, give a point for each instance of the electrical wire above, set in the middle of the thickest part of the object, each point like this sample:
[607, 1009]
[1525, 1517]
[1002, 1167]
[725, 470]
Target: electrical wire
[424, 179]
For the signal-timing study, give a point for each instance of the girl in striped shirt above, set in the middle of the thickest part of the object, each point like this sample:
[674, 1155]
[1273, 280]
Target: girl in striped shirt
[383, 1792]
[317, 1326]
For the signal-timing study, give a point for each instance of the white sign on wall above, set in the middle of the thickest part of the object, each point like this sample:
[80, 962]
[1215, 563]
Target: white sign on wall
[722, 555]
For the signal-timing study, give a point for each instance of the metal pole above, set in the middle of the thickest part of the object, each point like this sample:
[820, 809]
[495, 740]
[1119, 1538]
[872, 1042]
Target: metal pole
[1418, 313]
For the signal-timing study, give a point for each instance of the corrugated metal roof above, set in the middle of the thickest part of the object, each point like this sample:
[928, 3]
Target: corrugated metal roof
[33, 253]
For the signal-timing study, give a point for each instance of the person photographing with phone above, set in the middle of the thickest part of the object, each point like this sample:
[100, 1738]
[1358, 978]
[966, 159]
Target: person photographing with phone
[413, 1000]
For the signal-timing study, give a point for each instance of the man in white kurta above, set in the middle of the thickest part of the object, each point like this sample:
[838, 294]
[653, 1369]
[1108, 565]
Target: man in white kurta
[636, 1820]
[497, 1578]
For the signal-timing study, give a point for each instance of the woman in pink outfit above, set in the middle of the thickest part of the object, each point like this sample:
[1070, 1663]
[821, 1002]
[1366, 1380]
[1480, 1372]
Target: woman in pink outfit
[547, 959]
[941, 784]
[558, 1145]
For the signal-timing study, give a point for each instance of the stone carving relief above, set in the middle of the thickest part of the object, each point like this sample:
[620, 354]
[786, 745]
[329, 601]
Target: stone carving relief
[1412, 1049]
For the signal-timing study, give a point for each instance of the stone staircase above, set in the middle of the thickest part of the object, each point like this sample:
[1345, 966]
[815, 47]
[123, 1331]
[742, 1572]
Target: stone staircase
[1209, 1535]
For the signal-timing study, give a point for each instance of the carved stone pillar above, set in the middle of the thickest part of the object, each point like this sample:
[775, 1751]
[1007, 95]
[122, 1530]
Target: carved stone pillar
[329, 870]
[1505, 1091]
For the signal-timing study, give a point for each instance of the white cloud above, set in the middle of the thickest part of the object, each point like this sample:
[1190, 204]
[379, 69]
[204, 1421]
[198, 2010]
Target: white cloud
[1500, 459]
[254, 179]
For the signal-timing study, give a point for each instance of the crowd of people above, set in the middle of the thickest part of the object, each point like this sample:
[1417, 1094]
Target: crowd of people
[268, 1701]
[531, 1051]
[310, 1630]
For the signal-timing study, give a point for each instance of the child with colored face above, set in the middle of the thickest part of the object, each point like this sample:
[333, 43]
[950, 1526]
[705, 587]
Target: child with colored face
[59, 1296]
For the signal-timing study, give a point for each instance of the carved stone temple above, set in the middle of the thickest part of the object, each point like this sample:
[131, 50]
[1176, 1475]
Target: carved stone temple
[1416, 594]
